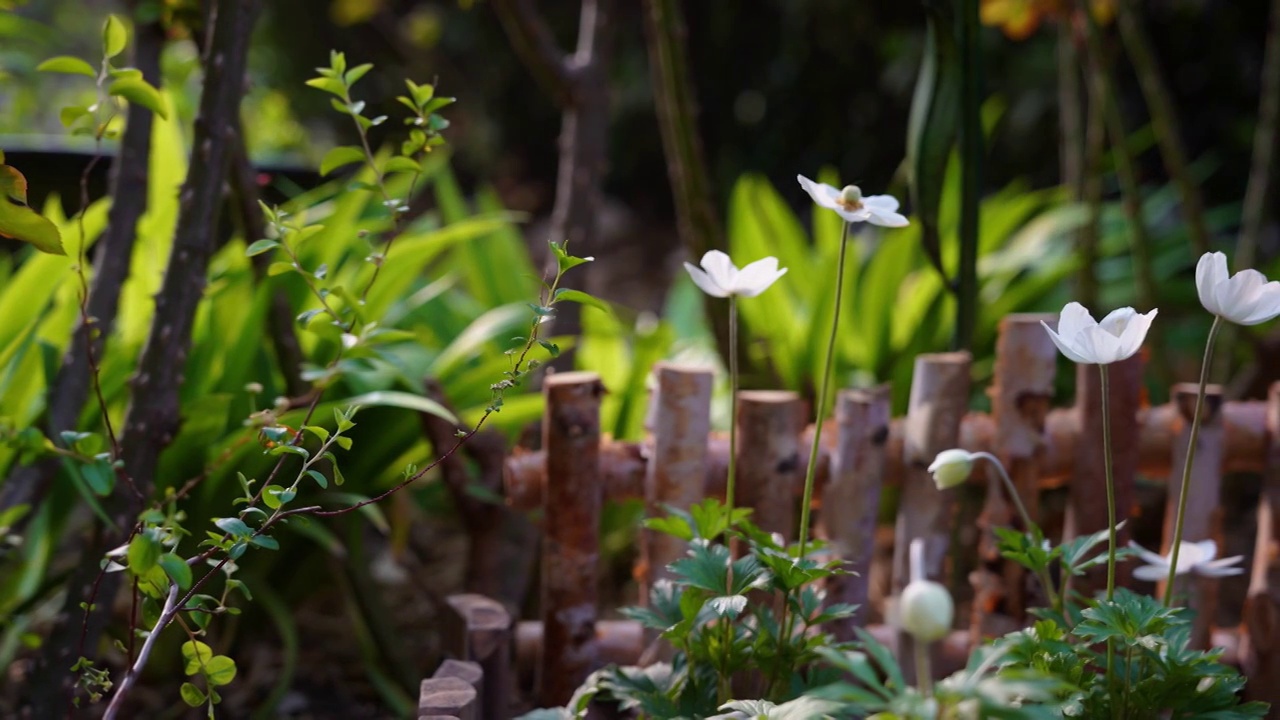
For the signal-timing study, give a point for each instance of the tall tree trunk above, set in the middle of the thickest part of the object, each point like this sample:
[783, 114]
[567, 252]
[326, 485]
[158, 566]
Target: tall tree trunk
[153, 417]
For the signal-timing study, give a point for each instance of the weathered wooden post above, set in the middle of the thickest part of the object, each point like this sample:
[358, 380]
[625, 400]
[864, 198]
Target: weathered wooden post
[448, 697]
[768, 465]
[939, 400]
[1260, 629]
[478, 630]
[1203, 516]
[676, 471]
[851, 500]
[571, 534]
[1087, 504]
[1026, 363]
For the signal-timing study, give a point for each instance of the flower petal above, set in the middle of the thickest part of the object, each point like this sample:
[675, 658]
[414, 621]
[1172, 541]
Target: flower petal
[881, 203]
[1203, 551]
[1211, 272]
[1151, 573]
[704, 281]
[756, 277]
[1074, 318]
[1266, 306]
[883, 218]
[1149, 557]
[822, 193]
[721, 269]
[1135, 333]
[1064, 346]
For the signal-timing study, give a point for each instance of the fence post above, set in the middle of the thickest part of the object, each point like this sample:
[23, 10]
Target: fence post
[1260, 628]
[768, 466]
[939, 400]
[1021, 394]
[571, 534]
[851, 499]
[676, 470]
[1087, 503]
[447, 697]
[477, 629]
[1203, 515]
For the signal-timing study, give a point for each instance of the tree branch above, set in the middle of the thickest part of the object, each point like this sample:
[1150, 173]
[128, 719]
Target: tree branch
[677, 110]
[537, 48]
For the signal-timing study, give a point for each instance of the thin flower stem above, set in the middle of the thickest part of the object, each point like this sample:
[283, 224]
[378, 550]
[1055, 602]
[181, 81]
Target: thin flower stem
[1176, 540]
[824, 389]
[1111, 514]
[1042, 574]
[732, 478]
[924, 672]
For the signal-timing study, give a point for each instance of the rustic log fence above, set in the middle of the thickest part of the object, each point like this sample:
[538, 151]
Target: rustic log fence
[865, 454]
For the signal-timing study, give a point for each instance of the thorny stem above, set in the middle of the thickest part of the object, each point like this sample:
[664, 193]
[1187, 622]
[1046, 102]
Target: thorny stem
[1186, 465]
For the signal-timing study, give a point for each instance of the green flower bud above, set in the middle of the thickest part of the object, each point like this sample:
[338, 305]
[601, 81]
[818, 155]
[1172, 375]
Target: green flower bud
[926, 610]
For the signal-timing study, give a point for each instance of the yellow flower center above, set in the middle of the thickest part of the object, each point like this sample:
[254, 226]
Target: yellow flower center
[850, 198]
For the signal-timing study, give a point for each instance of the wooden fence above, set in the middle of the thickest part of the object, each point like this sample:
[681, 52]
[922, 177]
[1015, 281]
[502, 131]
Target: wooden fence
[867, 454]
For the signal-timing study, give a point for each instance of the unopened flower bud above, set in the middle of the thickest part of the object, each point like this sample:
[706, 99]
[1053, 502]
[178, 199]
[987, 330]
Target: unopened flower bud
[851, 195]
[951, 468]
[925, 608]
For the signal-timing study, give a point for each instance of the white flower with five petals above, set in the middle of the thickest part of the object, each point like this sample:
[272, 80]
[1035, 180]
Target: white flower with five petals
[1193, 557]
[851, 205]
[1245, 298]
[1089, 342]
[719, 277]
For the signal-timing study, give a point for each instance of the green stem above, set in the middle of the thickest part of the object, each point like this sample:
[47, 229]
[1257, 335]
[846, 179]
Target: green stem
[1111, 515]
[1186, 466]
[824, 388]
[1042, 573]
[733, 406]
[924, 673]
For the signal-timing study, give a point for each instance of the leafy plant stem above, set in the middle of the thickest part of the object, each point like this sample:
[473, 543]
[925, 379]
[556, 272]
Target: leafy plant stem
[1176, 540]
[1042, 573]
[166, 616]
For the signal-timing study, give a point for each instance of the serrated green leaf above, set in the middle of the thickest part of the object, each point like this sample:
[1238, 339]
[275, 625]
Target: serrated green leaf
[67, 64]
[339, 156]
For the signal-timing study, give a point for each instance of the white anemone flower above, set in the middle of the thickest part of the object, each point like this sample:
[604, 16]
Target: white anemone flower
[719, 277]
[952, 467]
[1245, 298]
[1193, 557]
[851, 205]
[1089, 342]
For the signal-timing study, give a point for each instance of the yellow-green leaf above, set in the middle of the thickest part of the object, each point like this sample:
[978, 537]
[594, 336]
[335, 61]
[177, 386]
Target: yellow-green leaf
[339, 156]
[20, 222]
[114, 37]
[220, 670]
[191, 695]
[197, 656]
[139, 92]
[67, 64]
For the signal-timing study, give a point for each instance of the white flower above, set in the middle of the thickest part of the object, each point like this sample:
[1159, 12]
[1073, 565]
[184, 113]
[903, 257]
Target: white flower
[951, 467]
[1088, 342]
[925, 608]
[1193, 557]
[1245, 298]
[852, 206]
[719, 277]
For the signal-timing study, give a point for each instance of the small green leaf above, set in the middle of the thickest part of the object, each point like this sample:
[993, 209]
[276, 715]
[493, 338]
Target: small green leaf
[233, 526]
[266, 542]
[177, 569]
[67, 64]
[356, 73]
[568, 295]
[260, 246]
[339, 156]
[271, 496]
[279, 267]
[197, 655]
[220, 670]
[400, 163]
[144, 552]
[139, 92]
[191, 695]
[329, 85]
[319, 477]
[114, 37]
